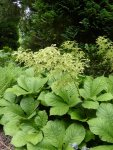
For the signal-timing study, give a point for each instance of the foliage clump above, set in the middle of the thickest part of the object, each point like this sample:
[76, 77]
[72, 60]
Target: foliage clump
[100, 55]
[8, 75]
[105, 49]
[52, 59]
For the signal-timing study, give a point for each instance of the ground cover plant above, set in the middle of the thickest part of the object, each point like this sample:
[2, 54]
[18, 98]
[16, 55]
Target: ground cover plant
[40, 115]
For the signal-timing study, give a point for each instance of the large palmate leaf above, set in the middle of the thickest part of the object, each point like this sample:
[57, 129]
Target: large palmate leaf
[54, 133]
[69, 93]
[31, 84]
[59, 107]
[103, 124]
[92, 87]
[103, 147]
[27, 85]
[93, 91]
[25, 135]
[61, 99]
[75, 133]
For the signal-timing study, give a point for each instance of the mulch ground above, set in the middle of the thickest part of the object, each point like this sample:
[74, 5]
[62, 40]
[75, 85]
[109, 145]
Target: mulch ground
[5, 141]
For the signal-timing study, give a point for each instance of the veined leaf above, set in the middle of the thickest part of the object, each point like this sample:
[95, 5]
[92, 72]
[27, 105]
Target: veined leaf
[92, 87]
[59, 107]
[9, 96]
[75, 133]
[27, 85]
[59, 110]
[54, 133]
[90, 104]
[17, 90]
[19, 139]
[110, 84]
[34, 138]
[28, 105]
[29, 72]
[77, 114]
[31, 84]
[89, 135]
[98, 85]
[12, 127]
[3, 102]
[41, 119]
[16, 109]
[68, 93]
[43, 145]
[8, 116]
[103, 124]
[105, 97]
[105, 111]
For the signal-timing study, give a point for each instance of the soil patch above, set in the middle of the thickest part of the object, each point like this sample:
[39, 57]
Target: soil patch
[5, 141]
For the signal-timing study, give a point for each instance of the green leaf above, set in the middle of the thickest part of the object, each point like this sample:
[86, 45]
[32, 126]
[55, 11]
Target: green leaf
[16, 109]
[90, 104]
[19, 139]
[105, 97]
[41, 119]
[29, 72]
[9, 96]
[59, 107]
[103, 124]
[69, 93]
[34, 138]
[12, 127]
[43, 145]
[27, 85]
[3, 102]
[42, 98]
[28, 105]
[3, 110]
[31, 84]
[77, 114]
[92, 87]
[105, 111]
[98, 85]
[110, 84]
[75, 133]
[89, 136]
[17, 90]
[60, 110]
[54, 133]
[8, 116]
[103, 147]
[85, 93]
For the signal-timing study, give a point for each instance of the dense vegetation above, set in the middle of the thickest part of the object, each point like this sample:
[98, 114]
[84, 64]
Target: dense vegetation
[56, 74]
